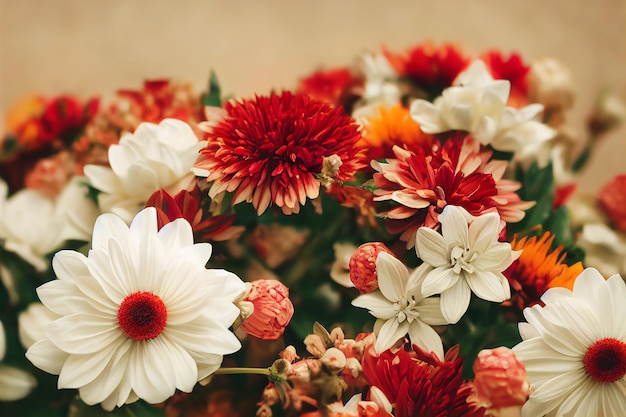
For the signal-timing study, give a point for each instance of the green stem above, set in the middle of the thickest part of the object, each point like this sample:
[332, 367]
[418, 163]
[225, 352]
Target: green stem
[239, 371]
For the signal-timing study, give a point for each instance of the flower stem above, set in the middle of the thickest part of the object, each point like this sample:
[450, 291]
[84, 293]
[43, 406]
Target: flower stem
[236, 371]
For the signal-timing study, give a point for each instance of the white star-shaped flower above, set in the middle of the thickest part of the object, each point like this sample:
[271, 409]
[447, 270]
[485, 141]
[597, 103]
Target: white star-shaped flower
[476, 103]
[574, 349]
[466, 256]
[401, 307]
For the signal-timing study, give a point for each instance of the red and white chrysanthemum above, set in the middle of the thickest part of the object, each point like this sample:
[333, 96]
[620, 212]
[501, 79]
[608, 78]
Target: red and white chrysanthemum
[459, 173]
[277, 149]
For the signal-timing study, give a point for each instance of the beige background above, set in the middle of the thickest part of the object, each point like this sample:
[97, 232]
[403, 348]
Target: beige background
[88, 47]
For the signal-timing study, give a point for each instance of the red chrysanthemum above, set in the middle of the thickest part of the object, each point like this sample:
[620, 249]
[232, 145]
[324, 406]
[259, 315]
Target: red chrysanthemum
[431, 67]
[510, 68]
[330, 85]
[419, 384]
[186, 205]
[458, 173]
[276, 149]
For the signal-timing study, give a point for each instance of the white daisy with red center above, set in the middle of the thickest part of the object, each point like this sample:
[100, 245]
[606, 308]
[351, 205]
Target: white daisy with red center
[140, 316]
[574, 349]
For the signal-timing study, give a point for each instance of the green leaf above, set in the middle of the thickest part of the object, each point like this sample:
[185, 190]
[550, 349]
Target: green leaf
[213, 97]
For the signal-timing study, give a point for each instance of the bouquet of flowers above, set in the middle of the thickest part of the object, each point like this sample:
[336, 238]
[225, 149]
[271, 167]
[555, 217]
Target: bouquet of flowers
[397, 237]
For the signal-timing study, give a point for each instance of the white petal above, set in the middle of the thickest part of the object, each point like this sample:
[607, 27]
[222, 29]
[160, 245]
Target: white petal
[46, 356]
[454, 227]
[439, 279]
[489, 286]
[390, 333]
[108, 226]
[455, 301]
[426, 337]
[15, 383]
[392, 276]
[377, 304]
[431, 247]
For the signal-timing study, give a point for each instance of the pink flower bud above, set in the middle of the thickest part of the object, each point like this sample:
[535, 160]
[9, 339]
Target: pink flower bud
[272, 309]
[363, 266]
[289, 354]
[500, 380]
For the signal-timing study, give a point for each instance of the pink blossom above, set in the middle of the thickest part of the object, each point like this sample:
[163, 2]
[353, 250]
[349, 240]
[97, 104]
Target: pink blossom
[272, 309]
[363, 266]
[500, 380]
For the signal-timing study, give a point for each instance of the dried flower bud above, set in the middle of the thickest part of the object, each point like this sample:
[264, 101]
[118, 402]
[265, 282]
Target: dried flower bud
[609, 112]
[315, 345]
[333, 359]
[264, 410]
[289, 354]
[500, 380]
[272, 309]
[363, 266]
[550, 83]
[612, 198]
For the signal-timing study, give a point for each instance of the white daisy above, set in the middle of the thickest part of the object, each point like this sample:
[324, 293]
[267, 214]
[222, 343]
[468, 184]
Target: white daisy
[574, 349]
[141, 316]
[477, 104]
[151, 158]
[401, 307]
[466, 256]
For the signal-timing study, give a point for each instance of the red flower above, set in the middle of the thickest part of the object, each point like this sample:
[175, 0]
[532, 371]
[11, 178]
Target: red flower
[612, 198]
[431, 67]
[458, 172]
[420, 385]
[186, 205]
[276, 149]
[331, 85]
[512, 69]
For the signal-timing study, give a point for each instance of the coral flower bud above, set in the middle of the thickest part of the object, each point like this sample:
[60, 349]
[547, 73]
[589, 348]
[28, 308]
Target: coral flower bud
[334, 359]
[272, 309]
[500, 380]
[363, 266]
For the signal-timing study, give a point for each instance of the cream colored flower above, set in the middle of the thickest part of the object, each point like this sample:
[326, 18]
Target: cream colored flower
[477, 104]
[151, 158]
[140, 316]
[465, 257]
[402, 307]
[34, 225]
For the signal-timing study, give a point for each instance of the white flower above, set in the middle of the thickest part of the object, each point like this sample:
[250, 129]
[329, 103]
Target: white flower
[34, 225]
[154, 157]
[550, 83]
[340, 271]
[574, 349]
[401, 306]
[465, 257]
[14, 382]
[477, 104]
[141, 316]
[380, 86]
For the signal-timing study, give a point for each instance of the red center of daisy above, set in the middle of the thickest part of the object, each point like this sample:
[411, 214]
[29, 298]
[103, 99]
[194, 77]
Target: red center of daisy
[605, 360]
[142, 315]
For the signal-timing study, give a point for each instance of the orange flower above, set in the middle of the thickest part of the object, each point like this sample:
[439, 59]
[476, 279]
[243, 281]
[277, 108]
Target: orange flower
[391, 126]
[537, 269]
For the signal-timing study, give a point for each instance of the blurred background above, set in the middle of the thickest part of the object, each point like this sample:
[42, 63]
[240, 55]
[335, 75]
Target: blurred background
[91, 47]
